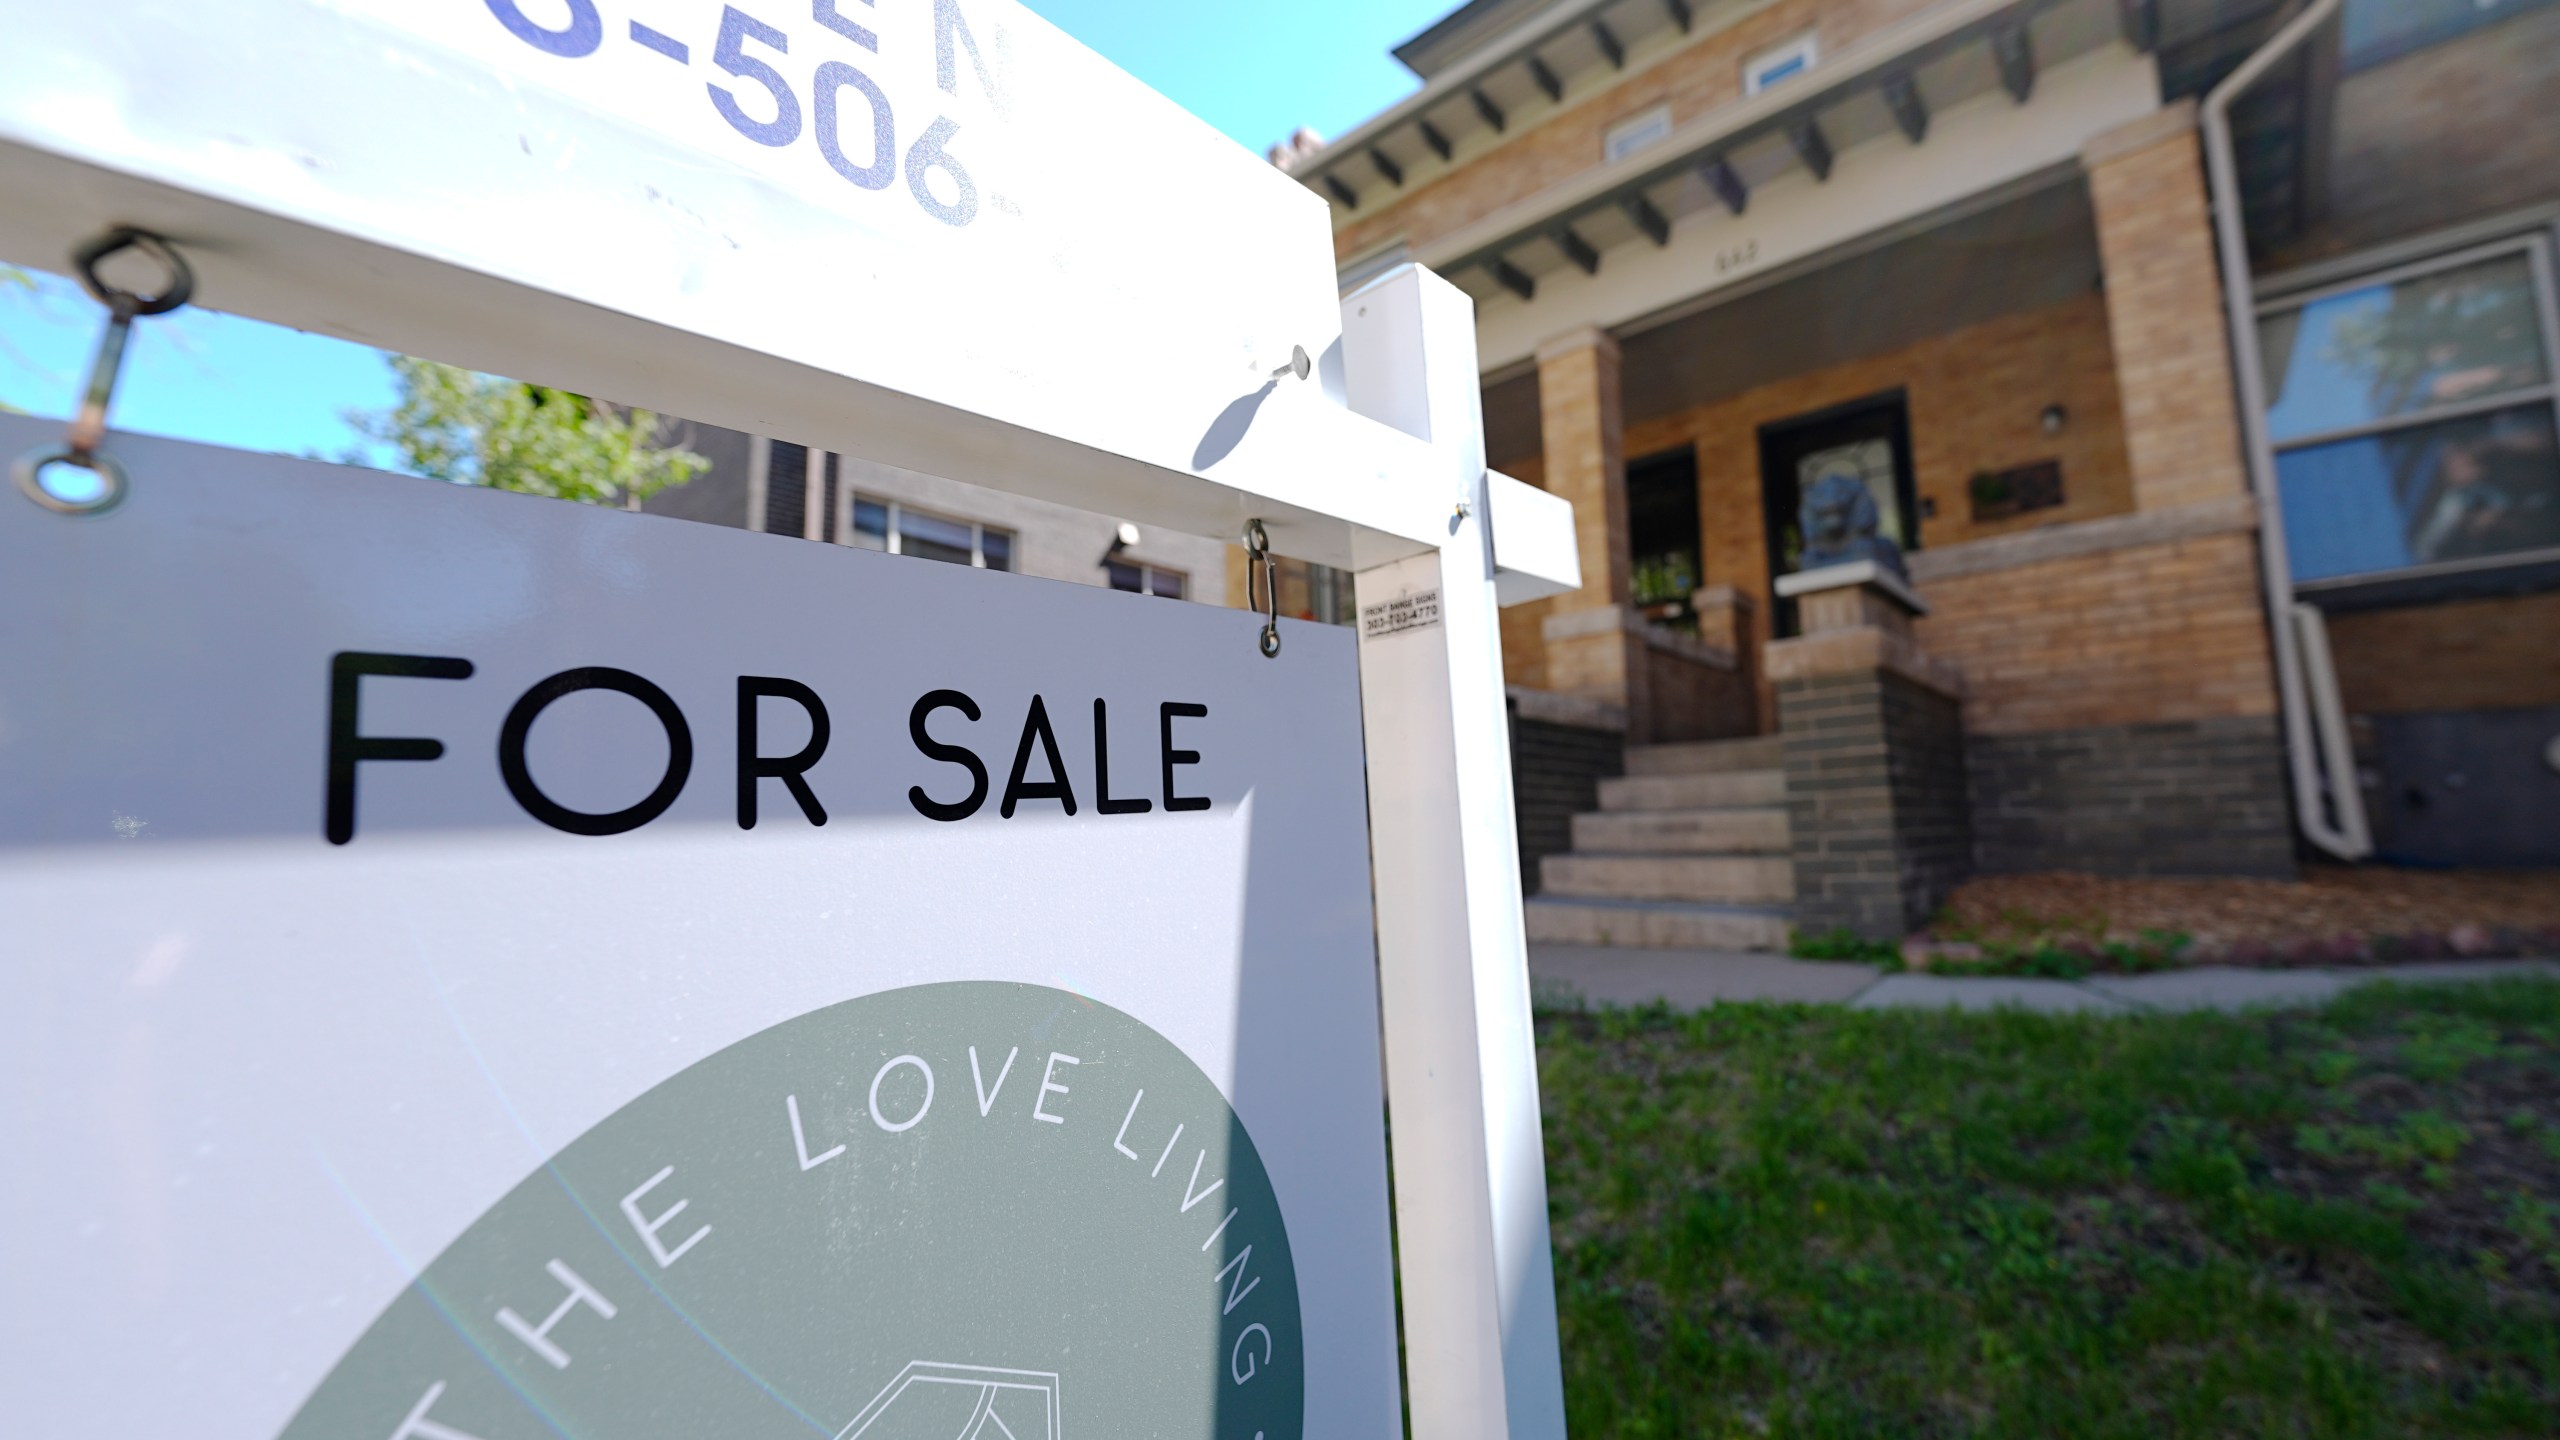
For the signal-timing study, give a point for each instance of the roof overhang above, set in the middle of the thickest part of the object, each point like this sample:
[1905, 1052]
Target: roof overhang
[1879, 187]
[1894, 81]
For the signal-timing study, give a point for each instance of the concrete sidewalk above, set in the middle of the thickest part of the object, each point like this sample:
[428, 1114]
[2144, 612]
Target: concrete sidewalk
[1692, 979]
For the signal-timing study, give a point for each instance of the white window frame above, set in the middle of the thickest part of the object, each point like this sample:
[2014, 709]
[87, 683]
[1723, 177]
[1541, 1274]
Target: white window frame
[899, 510]
[1805, 49]
[1638, 132]
[2535, 246]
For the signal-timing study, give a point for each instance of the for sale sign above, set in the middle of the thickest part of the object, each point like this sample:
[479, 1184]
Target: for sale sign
[947, 199]
[484, 967]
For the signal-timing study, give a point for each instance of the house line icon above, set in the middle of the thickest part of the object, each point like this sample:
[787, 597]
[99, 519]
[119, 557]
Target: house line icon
[1009, 1404]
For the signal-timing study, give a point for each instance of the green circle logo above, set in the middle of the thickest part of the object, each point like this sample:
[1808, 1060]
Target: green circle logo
[973, 1210]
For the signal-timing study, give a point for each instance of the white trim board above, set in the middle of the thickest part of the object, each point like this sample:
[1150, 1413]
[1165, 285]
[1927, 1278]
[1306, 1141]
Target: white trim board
[1983, 144]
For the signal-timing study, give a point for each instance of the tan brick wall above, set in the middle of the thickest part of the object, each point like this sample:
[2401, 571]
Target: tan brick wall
[2141, 635]
[2470, 655]
[1543, 152]
[1524, 649]
[2164, 310]
[2442, 135]
[1975, 397]
[1580, 425]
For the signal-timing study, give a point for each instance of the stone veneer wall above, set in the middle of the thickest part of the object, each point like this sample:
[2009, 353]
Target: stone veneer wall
[1556, 770]
[2187, 797]
[1876, 798]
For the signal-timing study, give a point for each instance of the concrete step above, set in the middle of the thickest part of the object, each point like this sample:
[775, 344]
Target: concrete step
[1717, 879]
[1694, 792]
[1732, 830]
[1656, 925]
[1706, 757]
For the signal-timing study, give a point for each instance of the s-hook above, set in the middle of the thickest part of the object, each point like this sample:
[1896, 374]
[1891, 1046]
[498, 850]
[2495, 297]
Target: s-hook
[1257, 558]
[89, 427]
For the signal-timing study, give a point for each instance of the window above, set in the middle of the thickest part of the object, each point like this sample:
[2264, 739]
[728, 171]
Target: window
[1629, 136]
[1143, 579]
[2411, 415]
[887, 525]
[2377, 32]
[1778, 62]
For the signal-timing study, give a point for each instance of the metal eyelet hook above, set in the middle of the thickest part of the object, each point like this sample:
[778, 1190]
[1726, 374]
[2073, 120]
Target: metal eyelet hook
[1257, 557]
[89, 426]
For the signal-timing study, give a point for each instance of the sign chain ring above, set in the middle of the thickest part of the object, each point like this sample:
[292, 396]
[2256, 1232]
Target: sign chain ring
[89, 425]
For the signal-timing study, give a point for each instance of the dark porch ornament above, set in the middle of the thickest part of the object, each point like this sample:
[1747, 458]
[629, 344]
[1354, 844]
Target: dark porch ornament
[1839, 521]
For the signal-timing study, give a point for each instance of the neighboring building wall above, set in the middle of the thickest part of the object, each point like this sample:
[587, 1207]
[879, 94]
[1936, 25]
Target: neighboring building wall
[2496, 654]
[2443, 134]
[1539, 150]
[1053, 542]
[718, 495]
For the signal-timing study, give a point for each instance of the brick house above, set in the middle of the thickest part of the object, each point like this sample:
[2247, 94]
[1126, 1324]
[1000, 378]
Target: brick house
[754, 482]
[2226, 552]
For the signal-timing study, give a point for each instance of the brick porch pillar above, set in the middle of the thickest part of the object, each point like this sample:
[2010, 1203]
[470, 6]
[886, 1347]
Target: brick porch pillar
[2165, 311]
[1592, 648]
[1875, 755]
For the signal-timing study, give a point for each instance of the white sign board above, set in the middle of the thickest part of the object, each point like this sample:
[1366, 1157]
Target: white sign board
[409, 1036]
[948, 201]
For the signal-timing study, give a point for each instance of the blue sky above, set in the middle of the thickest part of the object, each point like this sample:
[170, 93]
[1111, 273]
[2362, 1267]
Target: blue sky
[1254, 70]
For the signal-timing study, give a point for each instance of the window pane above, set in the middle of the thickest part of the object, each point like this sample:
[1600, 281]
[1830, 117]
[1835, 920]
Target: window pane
[1164, 582]
[870, 524]
[2464, 489]
[935, 538]
[2399, 349]
[1650, 128]
[997, 546]
[1124, 576]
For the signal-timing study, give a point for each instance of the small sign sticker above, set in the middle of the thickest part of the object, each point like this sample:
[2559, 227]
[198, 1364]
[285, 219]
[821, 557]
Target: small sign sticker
[1405, 612]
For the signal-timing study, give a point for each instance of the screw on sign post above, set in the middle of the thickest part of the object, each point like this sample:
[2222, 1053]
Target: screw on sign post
[532, 993]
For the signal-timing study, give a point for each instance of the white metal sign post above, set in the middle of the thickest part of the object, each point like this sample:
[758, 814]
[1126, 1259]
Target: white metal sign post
[934, 233]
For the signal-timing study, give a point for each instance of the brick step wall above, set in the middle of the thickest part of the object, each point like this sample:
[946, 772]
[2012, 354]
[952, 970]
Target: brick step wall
[1692, 849]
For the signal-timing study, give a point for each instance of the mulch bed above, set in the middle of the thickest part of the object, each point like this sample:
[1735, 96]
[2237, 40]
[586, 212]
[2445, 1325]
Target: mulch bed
[2333, 915]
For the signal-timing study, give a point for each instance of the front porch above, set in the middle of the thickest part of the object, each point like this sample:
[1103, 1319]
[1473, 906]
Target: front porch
[2035, 386]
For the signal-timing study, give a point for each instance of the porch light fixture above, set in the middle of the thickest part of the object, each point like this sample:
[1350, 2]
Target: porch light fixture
[2053, 419]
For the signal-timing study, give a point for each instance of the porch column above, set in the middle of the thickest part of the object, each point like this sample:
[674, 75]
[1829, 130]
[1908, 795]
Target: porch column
[2165, 311]
[1592, 647]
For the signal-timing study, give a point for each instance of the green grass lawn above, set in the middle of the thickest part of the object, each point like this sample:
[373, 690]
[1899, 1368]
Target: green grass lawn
[1776, 1220]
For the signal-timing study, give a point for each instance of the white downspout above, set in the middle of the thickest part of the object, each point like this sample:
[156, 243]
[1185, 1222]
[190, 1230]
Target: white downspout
[2315, 732]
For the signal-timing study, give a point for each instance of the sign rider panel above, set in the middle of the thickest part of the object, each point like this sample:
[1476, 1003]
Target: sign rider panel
[497, 961]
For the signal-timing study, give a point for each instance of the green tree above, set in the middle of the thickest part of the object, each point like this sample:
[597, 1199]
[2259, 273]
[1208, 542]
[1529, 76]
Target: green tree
[452, 424]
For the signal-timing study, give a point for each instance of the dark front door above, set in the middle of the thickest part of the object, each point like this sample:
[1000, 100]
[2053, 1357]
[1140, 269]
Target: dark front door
[1662, 534]
[1869, 439]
